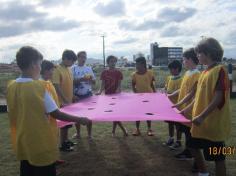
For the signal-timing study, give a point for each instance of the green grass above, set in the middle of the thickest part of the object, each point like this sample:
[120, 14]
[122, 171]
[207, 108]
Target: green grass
[106, 156]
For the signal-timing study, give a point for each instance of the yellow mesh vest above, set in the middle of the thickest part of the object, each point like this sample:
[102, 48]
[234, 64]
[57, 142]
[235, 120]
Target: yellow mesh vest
[143, 82]
[31, 133]
[173, 85]
[186, 86]
[53, 122]
[217, 125]
[62, 75]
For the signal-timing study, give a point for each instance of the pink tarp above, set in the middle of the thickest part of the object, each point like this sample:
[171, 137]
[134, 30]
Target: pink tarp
[126, 107]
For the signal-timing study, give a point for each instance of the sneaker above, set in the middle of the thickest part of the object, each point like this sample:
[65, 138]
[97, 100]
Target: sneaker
[76, 136]
[176, 145]
[65, 147]
[136, 133]
[185, 155]
[150, 133]
[70, 143]
[169, 142]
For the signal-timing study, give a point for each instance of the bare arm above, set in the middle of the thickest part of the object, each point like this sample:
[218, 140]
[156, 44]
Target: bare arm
[213, 105]
[153, 86]
[187, 108]
[188, 97]
[133, 87]
[174, 94]
[101, 88]
[60, 94]
[57, 114]
[119, 87]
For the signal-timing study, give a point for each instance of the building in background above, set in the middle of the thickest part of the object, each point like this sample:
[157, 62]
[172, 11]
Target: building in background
[163, 55]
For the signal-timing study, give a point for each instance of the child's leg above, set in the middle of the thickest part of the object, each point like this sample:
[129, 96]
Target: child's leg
[64, 134]
[171, 129]
[77, 125]
[200, 161]
[220, 168]
[178, 132]
[137, 125]
[89, 129]
[114, 127]
[149, 124]
[25, 168]
[137, 131]
[122, 128]
[49, 170]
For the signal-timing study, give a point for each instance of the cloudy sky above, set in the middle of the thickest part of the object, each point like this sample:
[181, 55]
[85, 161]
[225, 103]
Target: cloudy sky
[129, 25]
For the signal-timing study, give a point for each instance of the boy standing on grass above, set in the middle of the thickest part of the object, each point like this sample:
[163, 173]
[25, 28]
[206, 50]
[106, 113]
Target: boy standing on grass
[63, 83]
[211, 111]
[173, 83]
[28, 103]
[189, 83]
[83, 79]
[111, 83]
[143, 82]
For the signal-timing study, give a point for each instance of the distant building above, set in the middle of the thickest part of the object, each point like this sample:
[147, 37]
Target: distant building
[122, 61]
[164, 55]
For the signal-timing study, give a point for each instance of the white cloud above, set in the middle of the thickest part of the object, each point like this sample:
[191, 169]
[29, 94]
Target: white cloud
[113, 8]
[129, 25]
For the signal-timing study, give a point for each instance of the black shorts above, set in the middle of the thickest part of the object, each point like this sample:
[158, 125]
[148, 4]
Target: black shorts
[213, 151]
[26, 169]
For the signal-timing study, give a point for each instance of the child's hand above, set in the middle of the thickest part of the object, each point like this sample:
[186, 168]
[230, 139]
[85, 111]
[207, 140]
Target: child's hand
[87, 77]
[175, 106]
[162, 91]
[198, 120]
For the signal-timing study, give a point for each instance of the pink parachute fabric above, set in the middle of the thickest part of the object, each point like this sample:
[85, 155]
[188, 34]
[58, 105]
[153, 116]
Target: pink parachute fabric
[125, 107]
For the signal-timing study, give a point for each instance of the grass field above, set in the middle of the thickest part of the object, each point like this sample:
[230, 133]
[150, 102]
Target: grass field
[119, 156]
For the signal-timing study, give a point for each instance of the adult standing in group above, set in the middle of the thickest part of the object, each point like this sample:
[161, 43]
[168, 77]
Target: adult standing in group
[83, 79]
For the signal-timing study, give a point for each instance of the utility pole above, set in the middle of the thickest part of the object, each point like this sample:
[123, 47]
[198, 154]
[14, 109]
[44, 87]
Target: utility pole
[103, 49]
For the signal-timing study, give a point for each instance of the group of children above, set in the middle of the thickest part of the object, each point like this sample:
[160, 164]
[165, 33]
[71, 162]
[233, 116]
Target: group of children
[202, 97]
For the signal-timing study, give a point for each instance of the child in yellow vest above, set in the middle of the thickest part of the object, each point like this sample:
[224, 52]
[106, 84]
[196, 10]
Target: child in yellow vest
[63, 83]
[28, 102]
[189, 82]
[47, 68]
[142, 82]
[211, 112]
[173, 83]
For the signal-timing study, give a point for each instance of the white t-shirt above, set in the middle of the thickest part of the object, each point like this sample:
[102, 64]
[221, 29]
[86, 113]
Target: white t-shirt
[79, 72]
[49, 103]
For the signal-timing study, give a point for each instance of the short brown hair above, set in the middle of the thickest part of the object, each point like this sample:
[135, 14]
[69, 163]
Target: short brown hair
[46, 65]
[210, 47]
[81, 52]
[69, 55]
[111, 57]
[26, 56]
[190, 54]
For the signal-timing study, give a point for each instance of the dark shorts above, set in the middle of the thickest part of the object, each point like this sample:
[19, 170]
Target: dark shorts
[26, 169]
[213, 151]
